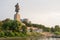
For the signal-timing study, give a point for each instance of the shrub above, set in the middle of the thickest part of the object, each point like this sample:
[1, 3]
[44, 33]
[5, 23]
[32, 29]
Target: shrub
[11, 34]
[22, 35]
[2, 34]
[57, 33]
[17, 34]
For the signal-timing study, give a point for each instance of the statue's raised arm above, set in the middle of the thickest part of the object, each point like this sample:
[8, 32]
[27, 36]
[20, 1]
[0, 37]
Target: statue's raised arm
[17, 8]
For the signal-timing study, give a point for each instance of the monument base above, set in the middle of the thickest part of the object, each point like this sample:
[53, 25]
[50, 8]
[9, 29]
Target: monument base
[17, 17]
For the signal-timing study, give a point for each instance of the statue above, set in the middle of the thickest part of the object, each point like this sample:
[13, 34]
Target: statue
[17, 8]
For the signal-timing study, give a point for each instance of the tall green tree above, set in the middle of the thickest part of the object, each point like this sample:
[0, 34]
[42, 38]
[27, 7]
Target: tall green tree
[52, 29]
[57, 28]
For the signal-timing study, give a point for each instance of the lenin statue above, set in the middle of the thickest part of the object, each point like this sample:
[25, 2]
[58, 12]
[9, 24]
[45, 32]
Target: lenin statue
[17, 8]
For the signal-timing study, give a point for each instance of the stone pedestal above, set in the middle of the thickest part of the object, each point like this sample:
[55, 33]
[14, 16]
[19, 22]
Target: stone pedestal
[17, 17]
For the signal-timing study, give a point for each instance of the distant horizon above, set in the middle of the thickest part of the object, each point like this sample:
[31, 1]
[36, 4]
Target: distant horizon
[45, 12]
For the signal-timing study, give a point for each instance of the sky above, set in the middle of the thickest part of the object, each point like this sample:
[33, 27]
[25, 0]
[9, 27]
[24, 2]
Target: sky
[46, 12]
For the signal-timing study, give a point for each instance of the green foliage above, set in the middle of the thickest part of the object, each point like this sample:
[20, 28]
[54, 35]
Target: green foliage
[17, 34]
[6, 25]
[52, 29]
[57, 28]
[2, 34]
[11, 28]
[38, 26]
[57, 33]
[15, 25]
[22, 35]
[24, 29]
[46, 29]
[11, 25]
[9, 34]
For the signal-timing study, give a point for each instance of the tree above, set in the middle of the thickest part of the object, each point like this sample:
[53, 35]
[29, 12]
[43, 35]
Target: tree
[52, 29]
[57, 28]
